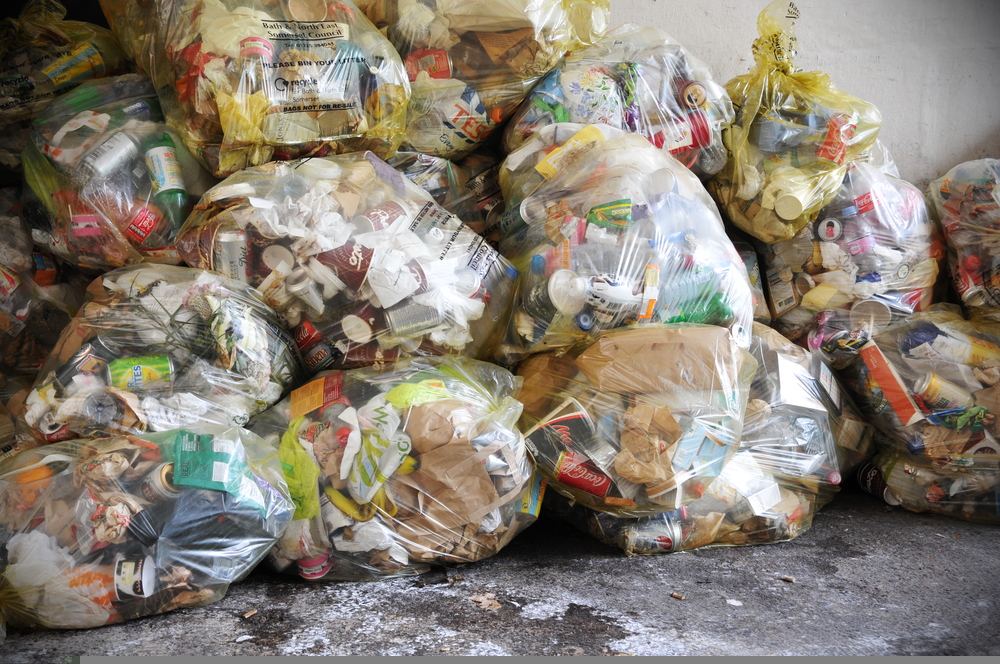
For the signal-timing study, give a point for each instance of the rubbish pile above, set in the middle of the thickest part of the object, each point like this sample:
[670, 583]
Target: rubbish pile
[461, 252]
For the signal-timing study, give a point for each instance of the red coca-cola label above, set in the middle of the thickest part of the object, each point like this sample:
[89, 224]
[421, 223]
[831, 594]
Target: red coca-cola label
[579, 472]
[839, 130]
[867, 202]
[306, 335]
[141, 225]
[434, 61]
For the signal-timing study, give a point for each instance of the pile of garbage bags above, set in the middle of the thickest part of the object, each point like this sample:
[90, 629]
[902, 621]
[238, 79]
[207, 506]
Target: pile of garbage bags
[43, 56]
[361, 263]
[869, 259]
[639, 80]
[114, 181]
[95, 532]
[793, 137]
[251, 81]
[966, 201]
[800, 432]
[640, 421]
[398, 468]
[621, 234]
[471, 63]
[158, 348]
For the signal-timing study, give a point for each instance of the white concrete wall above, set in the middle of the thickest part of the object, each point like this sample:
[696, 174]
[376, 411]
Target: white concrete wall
[932, 67]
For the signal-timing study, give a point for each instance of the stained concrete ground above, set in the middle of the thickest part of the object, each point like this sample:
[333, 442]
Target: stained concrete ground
[869, 580]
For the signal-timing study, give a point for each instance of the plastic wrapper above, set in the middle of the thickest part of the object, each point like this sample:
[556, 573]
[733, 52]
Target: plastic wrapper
[931, 383]
[251, 81]
[793, 137]
[158, 348]
[391, 470]
[361, 262]
[870, 258]
[471, 63]
[920, 485]
[43, 56]
[469, 189]
[621, 234]
[642, 420]
[116, 182]
[801, 431]
[95, 532]
[966, 200]
[761, 312]
[640, 80]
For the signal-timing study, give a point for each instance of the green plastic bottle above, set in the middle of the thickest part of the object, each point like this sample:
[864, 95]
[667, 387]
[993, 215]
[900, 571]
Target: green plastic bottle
[169, 193]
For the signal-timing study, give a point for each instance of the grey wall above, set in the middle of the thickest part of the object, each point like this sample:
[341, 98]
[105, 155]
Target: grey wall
[932, 67]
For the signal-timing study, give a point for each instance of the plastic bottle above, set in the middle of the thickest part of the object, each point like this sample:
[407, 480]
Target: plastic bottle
[15, 302]
[165, 175]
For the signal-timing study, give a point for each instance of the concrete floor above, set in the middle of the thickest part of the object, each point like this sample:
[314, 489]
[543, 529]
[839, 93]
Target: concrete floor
[869, 580]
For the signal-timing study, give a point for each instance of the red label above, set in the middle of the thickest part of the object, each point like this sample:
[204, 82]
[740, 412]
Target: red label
[141, 226]
[306, 335]
[579, 472]
[84, 225]
[433, 61]
[839, 130]
[867, 202]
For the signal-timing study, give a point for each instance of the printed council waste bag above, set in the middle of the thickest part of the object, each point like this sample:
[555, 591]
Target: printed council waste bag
[640, 80]
[870, 258]
[394, 469]
[116, 182]
[471, 62]
[251, 81]
[800, 433]
[162, 347]
[361, 262]
[95, 532]
[966, 201]
[921, 485]
[43, 56]
[621, 233]
[641, 420]
[793, 137]
[931, 383]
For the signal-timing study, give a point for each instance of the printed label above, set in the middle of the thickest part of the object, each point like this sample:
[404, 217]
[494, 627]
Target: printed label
[80, 64]
[164, 169]
[782, 294]
[867, 202]
[141, 225]
[829, 385]
[579, 472]
[84, 225]
[317, 394]
[9, 281]
[891, 384]
[569, 150]
[531, 501]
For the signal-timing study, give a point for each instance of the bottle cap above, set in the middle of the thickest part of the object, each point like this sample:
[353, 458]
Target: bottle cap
[275, 255]
[568, 292]
[788, 207]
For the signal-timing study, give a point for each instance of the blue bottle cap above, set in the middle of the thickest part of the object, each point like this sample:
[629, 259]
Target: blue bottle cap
[538, 264]
[585, 320]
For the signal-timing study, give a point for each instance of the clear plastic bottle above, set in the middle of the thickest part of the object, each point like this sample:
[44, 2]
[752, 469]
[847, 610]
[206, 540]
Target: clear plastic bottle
[165, 175]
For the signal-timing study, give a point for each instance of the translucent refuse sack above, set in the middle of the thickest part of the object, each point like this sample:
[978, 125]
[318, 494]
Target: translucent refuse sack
[391, 470]
[252, 81]
[621, 234]
[640, 80]
[642, 420]
[931, 383]
[801, 432]
[966, 201]
[43, 56]
[921, 485]
[96, 532]
[870, 258]
[361, 262]
[116, 182]
[761, 312]
[158, 348]
[470, 63]
[793, 137]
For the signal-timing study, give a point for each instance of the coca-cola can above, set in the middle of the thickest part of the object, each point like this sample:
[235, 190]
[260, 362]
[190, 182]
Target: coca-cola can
[579, 472]
[231, 255]
[379, 217]
[661, 533]
[306, 335]
[350, 262]
[53, 431]
[436, 62]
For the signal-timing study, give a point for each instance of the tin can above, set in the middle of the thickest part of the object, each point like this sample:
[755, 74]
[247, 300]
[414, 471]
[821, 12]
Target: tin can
[112, 155]
[302, 286]
[939, 394]
[579, 472]
[563, 292]
[871, 480]
[102, 409]
[306, 335]
[315, 568]
[135, 373]
[321, 355]
[90, 358]
[231, 255]
[436, 62]
[379, 217]
[53, 431]
[413, 320]
[158, 485]
[135, 576]
[662, 533]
